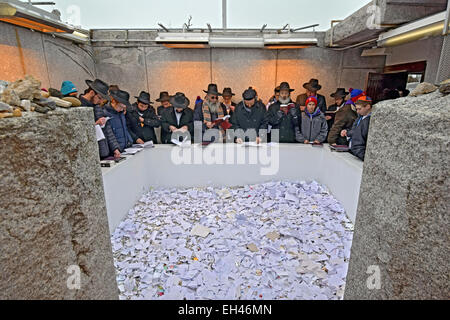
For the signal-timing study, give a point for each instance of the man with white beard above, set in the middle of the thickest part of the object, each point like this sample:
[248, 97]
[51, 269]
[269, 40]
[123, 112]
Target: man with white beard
[284, 115]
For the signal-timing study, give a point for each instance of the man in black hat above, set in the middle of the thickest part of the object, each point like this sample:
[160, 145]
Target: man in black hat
[120, 100]
[177, 119]
[250, 116]
[94, 97]
[284, 116]
[95, 94]
[142, 120]
[227, 103]
[311, 91]
[274, 98]
[339, 101]
[164, 99]
[211, 106]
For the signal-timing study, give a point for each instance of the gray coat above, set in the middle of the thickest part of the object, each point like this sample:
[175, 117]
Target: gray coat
[313, 127]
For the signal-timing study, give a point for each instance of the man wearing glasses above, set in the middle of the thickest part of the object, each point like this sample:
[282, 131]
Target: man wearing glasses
[208, 111]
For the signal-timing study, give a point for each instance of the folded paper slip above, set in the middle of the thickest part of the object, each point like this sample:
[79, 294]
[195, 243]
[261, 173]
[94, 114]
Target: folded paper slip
[99, 133]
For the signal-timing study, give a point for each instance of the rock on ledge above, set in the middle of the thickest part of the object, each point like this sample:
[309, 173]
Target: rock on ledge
[403, 213]
[52, 209]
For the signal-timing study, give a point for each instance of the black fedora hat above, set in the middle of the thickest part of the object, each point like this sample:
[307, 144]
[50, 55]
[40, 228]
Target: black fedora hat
[286, 86]
[99, 87]
[249, 94]
[312, 85]
[163, 96]
[227, 92]
[340, 92]
[212, 89]
[179, 100]
[144, 97]
[121, 96]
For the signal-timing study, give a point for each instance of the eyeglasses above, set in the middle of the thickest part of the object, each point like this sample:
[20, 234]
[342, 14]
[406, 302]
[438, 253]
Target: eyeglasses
[214, 97]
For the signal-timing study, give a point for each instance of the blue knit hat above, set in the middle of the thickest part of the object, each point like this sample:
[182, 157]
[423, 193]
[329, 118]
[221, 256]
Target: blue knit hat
[68, 87]
[355, 92]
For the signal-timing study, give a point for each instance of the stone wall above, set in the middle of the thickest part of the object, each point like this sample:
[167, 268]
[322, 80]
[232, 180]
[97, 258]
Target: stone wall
[155, 68]
[191, 70]
[52, 208]
[49, 59]
[403, 213]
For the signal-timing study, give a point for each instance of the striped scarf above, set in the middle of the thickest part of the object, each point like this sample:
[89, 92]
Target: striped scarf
[207, 113]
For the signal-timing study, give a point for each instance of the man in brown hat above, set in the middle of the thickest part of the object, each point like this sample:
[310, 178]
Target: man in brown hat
[339, 101]
[177, 119]
[311, 91]
[343, 119]
[164, 99]
[227, 103]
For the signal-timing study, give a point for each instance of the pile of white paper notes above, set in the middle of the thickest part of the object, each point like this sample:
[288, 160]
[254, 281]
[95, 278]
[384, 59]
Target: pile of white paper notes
[277, 240]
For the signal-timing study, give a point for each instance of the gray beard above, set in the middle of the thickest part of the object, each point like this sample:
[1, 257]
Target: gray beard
[287, 100]
[214, 107]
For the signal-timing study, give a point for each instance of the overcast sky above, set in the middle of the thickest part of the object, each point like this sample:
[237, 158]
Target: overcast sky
[174, 13]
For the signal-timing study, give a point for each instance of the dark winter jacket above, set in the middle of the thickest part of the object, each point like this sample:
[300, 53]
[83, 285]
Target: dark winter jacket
[119, 127]
[287, 124]
[313, 127]
[255, 119]
[145, 130]
[107, 146]
[358, 136]
[161, 109]
[169, 119]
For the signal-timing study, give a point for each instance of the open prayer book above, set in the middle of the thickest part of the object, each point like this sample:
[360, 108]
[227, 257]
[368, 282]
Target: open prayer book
[147, 145]
[223, 122]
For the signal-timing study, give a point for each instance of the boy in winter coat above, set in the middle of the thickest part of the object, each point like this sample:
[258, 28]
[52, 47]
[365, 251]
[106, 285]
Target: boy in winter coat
[360, 130]
[314, 127]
